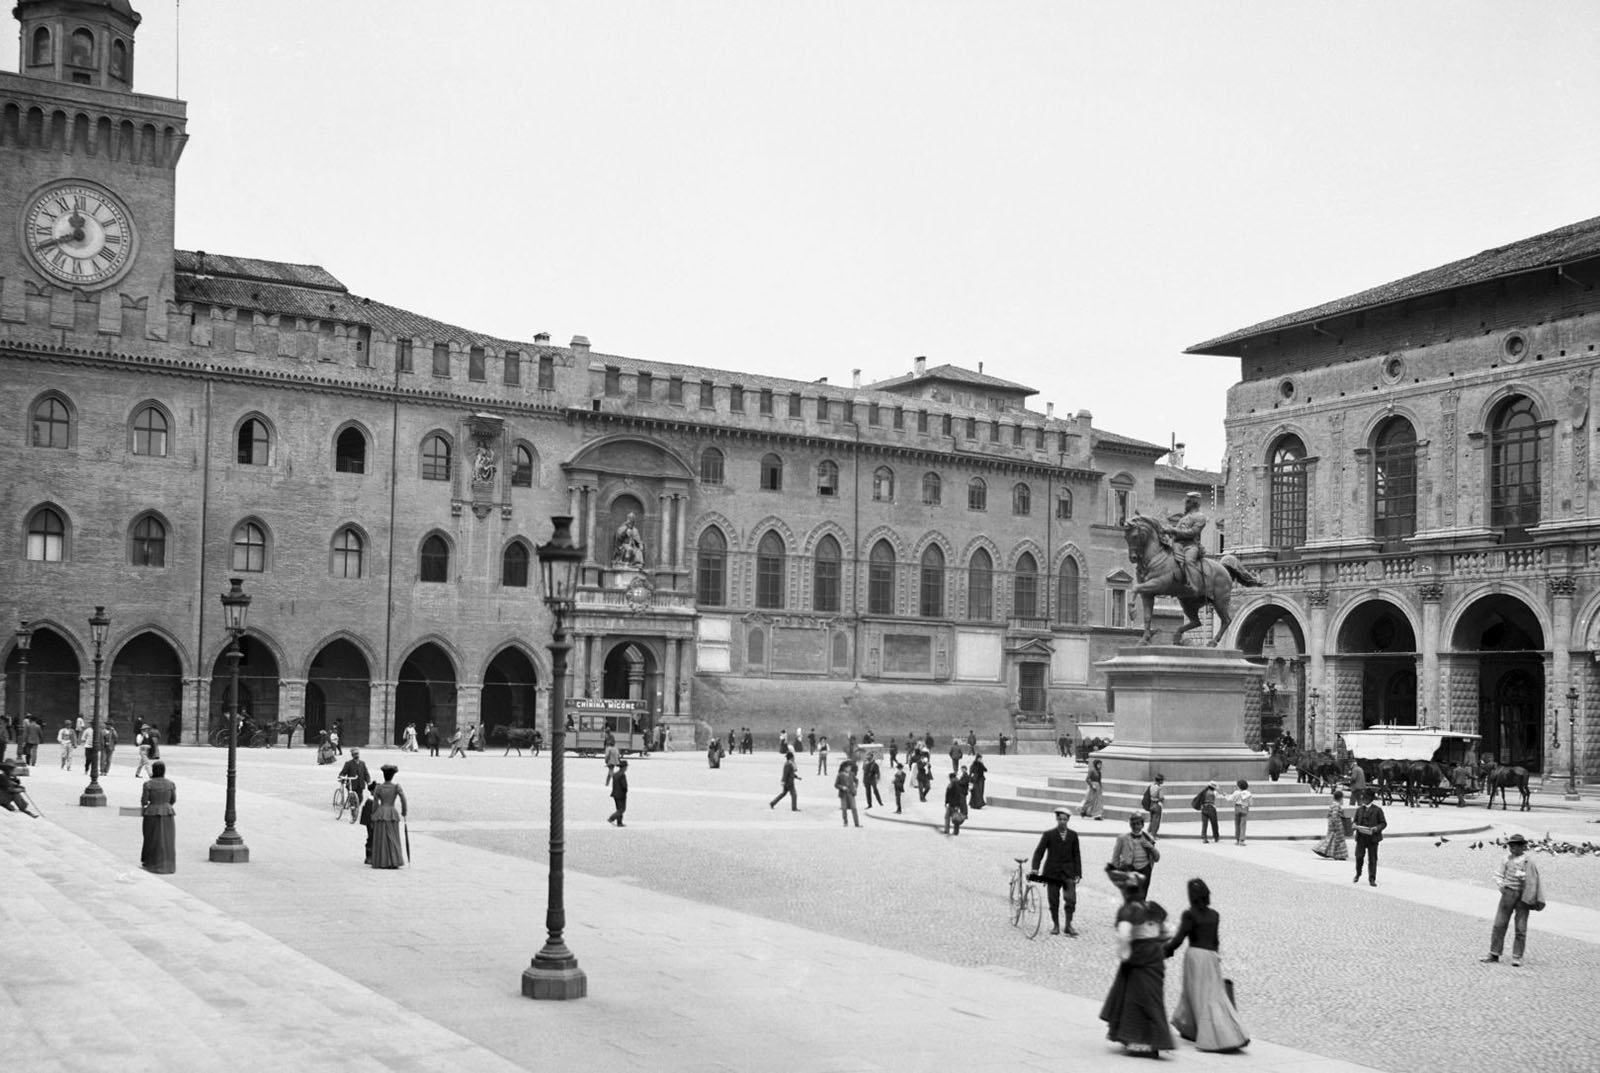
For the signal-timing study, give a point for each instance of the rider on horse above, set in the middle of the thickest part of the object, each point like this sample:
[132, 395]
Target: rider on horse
[1183, 532]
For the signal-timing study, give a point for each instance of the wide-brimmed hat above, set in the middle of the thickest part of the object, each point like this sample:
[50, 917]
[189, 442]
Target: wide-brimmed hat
[1064, 811]
[1212, 784]
[389, 769]
[1516, 840]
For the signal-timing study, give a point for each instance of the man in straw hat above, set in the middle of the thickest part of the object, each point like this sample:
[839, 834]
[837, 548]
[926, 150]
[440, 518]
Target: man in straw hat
[1520, 891]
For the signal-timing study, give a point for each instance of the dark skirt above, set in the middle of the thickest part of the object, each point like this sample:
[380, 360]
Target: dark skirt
[160, 851]
[978, 800]
[1135, 1009]
[388, 843]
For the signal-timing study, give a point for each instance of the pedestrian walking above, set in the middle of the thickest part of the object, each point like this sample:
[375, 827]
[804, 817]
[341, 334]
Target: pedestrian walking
[811, 741]
[788, 779]
[408, 739]
[1136, 852]
[1205, 803]
[1155, 803]
[1332, 845]
[1135, 1010]
[68, 742]
[455, 746]
[1092, 806]
[87, 741]
[367, 808]
[975, 787]
[1520, 892]
[619, 793]
[1003, 741]
[33, 734]
[354, 775]
[1205, 1015]
[899, 784]
[955, 754]
[430, 734]
[1241, 810]
[149, 750]
[613, 758]
[924, 776]
[869, 779]
[390, 848]
[955, 805]
[1370, 822]
[108, 745]
[1058, 862]
[822, 755]
[845, 784]
[157, 798]
[972, 742]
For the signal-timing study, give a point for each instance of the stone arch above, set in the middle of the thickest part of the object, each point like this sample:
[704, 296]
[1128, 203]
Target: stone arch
[1250, 623]
[987, 545]
[822, 529]
[355, 640]
[1460, 608]
[1383, 594]
[1264, 445]
[778, 525]
[539, 657]
[114, 645]
[1070, 550]
[1378, 418]
[933, 536]
[274, 439]
[882, 532]
[216, 646]
[1500, 394]
[159, 407]
[1021, 547]
[713, 520]
[637, 456]
[439, 641]
[73, 416]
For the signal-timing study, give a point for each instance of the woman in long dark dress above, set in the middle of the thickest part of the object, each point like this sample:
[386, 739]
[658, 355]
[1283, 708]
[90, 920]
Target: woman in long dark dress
[1204, 1016]
[979, 772]
[159, 853]
[388, 818]
[1135, 1010]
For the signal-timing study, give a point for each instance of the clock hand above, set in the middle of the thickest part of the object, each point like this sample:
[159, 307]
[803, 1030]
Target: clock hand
[76, 236]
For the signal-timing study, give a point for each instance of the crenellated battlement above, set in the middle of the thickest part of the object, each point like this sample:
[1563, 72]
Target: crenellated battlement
[91, 122]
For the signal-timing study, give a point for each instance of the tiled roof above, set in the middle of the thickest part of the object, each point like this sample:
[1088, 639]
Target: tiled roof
[200, 263]
[1181, 475]
[1100, 436]
[953, 374]
[1564, 245]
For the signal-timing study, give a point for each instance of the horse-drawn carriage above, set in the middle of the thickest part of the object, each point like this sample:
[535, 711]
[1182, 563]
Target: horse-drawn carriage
[1417, 763]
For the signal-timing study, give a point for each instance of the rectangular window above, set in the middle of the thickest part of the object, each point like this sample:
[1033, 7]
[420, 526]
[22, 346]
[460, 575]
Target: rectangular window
[708, 395]
[849, 413]
[1031, 694]
[822, 408]
[900, 417]
[972, 428]
[475, 364]
[1288, 513]
[712, 569]
[949, 425]
[547, 372]
[402, 355]
[513, 367]
[1119, 510]
[1039, 438]
[766, 402]
[874, 414]
[1117, 607]
[825, 596]
[922, 421]
[736, 398]
[441, 359]
[1016, 435]
[794, 404]
[646, 386]
[994, 432]
[613, 381]
[675, 390]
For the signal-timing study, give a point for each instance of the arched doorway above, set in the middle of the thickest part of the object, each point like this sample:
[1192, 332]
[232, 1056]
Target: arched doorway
[1381, 635]
[1271, 636]
[426, 693]
[1506, 636]
[509, 693]
[632, 673]
[339, 690]
[54, 675]
[146, 686]
[258, 685]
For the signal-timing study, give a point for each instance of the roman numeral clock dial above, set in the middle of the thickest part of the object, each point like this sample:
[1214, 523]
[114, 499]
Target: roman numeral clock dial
[78, 234]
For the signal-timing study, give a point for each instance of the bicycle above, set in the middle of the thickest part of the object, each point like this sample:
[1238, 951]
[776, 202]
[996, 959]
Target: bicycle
[1026, 906]
[345, 797]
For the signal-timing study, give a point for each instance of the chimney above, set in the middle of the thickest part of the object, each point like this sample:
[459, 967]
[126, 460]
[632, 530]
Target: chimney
[1175, 456]
[980, 368]
[855, 378]
[919, 366]
[580, 343]
[542, 338]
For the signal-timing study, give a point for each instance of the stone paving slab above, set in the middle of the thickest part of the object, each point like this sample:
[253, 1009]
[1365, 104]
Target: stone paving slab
[215, 967]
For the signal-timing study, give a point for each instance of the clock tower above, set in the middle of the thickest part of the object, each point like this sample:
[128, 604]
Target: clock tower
[90, 181]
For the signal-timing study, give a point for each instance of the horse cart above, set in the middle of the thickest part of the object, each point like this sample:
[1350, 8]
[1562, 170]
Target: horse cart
[590, 722]
[1417, 763]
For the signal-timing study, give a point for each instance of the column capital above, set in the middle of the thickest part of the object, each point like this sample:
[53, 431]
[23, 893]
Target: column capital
[1318, 599]
[1431, 592]
[1562, 588]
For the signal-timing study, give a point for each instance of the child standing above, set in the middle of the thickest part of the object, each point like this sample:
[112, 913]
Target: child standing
[1241, 810]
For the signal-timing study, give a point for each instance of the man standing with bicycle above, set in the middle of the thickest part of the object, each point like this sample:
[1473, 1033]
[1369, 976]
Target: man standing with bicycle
[355, 777]
[1063, 868]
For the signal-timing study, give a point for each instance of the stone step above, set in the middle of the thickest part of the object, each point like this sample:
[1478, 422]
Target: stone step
[1036, 741]
[1120, 798]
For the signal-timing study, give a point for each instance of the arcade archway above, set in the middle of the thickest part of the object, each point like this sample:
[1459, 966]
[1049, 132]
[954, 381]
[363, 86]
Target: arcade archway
[1271, 637]
[54, 674]
[1380, 635]
[1505, 636]
[632, 673]
[146, 687]
[510, 694]
[339, 690]
[426, 693]
[258, 685]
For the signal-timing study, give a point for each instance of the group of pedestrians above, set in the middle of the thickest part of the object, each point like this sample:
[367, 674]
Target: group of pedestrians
[26, 734]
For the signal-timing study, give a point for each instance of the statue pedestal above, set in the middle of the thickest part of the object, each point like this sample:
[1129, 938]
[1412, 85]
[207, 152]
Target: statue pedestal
[623, 577]
[1179, 712]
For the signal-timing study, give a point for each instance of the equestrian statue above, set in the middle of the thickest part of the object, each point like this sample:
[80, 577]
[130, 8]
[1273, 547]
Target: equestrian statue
[1172, 562]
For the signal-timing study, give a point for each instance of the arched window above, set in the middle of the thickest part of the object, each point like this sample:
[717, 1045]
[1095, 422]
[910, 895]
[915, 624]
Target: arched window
[827, 478]
[119, 59]
[977, 494]
[348, 549]
[149, 546]
[1063, 505]
[435, 567]
[771, 473]
[522, 466]
[1394, 481]
[711, 466]
[81, 51]
[254, 443]
[1514, 464]
[514, 565]
[436, 458]
[930, 593]
[1021, 500]
[711, 569]
[825, 577]
[932, 490]
[52, 424]
[41, 47]
[980, 587]
[47, 537]
[1287, 488]
[883, 484]
[1025, 588]
[150, 432]
[755, 647]
[350, 452]
[1067, 592]
[880, 579]
[769, 570]
[249, 548]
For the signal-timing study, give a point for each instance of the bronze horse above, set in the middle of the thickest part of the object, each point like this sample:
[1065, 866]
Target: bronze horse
[1160, 575]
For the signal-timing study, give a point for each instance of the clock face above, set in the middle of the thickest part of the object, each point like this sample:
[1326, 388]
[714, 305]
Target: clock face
[78, 233]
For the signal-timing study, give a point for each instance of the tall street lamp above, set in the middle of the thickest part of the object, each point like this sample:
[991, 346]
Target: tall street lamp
[1311, 719]
[229, 848]
[19, 725]
[93, 796]
[554, 972]
[1572, 745]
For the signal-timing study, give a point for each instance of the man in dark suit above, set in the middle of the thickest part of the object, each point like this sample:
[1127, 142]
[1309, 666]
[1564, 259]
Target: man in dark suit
[1063, 867]
[354, 775]
[1369, 824]
[619, 793]
[789, 776]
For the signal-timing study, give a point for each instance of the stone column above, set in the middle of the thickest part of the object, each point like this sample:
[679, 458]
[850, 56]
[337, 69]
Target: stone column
[292, 699]
[469, 709]
[1562, 589]
[669, 680]
[1431, 592]
[592, 539]
[380, 711]
[196, 695]
[542, 711]
[680, 561]
[664, 546]
[1316, 650]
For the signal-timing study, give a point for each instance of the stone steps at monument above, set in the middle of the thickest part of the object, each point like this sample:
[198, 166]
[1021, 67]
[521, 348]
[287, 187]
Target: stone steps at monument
[1035, 741]
[1281, 800]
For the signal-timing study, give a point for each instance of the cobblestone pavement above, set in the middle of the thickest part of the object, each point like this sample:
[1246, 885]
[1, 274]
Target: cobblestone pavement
[720, 934]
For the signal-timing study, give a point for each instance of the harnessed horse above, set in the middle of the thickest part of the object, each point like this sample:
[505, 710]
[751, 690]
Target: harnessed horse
[1161, 574]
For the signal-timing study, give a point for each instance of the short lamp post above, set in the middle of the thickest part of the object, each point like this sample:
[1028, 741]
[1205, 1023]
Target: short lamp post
[1313, 695]
[229, 848]
[19, 724]
[1572, 745]
[554, 972]
[93, 796]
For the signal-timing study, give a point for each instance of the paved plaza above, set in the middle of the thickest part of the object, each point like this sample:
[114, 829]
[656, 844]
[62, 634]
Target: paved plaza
[718, 934]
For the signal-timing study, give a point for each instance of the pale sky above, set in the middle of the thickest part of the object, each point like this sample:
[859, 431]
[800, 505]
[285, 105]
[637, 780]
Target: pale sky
[1069, 192]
